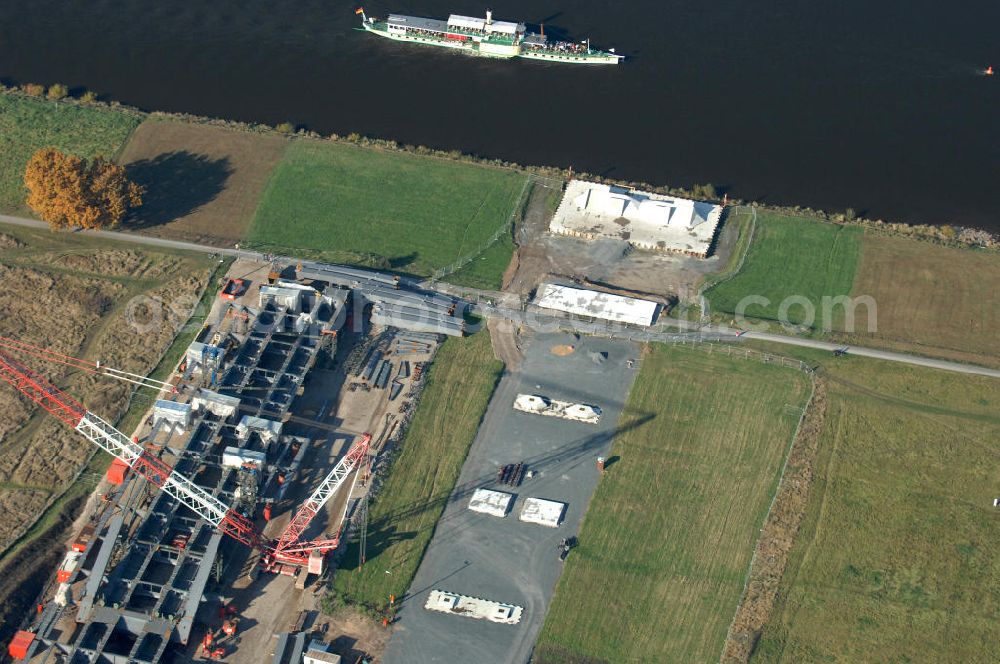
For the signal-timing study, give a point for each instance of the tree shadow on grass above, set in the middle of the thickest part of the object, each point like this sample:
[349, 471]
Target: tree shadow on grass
[177, 184]
[397, 262]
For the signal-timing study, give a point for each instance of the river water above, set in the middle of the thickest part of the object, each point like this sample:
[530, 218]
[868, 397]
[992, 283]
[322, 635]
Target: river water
[879, 105]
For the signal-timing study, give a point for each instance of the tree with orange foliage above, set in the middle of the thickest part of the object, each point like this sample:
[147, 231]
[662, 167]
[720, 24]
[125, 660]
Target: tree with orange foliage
[67, 191]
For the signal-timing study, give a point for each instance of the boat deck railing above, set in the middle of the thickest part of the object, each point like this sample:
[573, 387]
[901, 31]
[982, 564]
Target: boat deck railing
[569, 53]
[486, 37]
[559, 49]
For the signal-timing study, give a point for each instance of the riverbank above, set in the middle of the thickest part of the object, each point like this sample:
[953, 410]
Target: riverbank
[945, 234]
[420, 212]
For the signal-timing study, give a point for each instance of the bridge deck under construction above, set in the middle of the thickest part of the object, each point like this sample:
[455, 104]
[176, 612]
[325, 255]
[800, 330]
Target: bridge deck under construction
[152, 574]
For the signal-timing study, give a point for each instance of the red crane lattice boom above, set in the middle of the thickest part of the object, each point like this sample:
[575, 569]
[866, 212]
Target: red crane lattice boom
[288, 547]
[39, 390]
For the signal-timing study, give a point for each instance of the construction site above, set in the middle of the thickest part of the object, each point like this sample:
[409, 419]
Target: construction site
[220, 519]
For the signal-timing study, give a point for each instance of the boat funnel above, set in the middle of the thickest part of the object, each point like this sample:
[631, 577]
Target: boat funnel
[489, 17]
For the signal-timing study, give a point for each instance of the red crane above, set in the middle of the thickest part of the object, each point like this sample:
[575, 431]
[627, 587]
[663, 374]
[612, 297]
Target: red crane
[62, 406]
[288, 548]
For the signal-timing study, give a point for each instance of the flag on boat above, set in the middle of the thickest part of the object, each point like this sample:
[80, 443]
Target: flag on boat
[359, 10]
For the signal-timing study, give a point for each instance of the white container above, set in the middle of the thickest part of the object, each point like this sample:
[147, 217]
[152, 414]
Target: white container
[494, 503]
[546, 513]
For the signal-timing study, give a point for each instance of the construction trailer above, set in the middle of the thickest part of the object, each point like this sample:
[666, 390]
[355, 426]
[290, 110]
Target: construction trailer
[542, 405]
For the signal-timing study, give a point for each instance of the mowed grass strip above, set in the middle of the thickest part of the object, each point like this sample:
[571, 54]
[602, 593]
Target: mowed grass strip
[203, 183]
[667, 540]
[29, 124]
[792, 256]
[896, 559]
[930, 299]
[410, 213]
[402, 518]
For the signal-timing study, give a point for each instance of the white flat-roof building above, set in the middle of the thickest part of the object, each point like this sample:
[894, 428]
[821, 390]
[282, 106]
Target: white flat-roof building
[319, 653]
[595, 304]
[234, 457]
[199, 352]
[494, 503]
[282, 296]
[543, 512]
[645, 220]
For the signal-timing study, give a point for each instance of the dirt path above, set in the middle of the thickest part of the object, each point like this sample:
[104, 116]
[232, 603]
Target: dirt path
[503, 335]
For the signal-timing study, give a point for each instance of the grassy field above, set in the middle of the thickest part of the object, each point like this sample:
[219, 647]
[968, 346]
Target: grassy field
[791, 257]
[203, 183]
[402, 519]
[931, 299]
[928, 299]
[667, 540]
[413, 214]
[29, 124]
[895, 559]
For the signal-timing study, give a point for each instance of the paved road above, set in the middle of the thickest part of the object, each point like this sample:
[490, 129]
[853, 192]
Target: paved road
[713, 332]
[136, 239]
[875, 353]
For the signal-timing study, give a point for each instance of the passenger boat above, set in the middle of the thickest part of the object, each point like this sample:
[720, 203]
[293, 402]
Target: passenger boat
[486, 37]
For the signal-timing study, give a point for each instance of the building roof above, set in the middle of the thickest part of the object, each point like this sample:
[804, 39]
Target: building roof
[646, 220]
[319, 652]
[595, 304]
[418, 23]
[486, 501]
[236, 456]
[215, 397]
[254, 423]
[543, 512]
[175, 406]
[470, 22]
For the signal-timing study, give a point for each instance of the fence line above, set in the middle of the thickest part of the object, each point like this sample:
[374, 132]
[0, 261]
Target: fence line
[809, 371]
[747, 353]
[493, 239]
